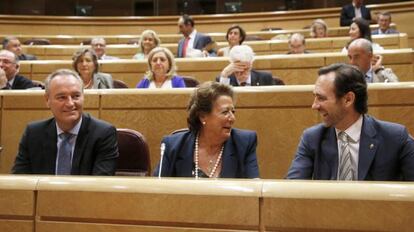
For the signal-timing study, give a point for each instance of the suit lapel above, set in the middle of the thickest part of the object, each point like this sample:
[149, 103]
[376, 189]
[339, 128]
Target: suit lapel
[80, 145]
[367, 147]
[229, 164]
[329, 155]
[196, 40]
[50, 147]
[184, 162]
[180, 47]
[254, 80]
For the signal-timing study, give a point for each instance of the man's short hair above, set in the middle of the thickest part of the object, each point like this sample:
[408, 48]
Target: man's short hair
[187, 20]
[297, 36]
[16, 58]
[62, 72]
[385, 13]
[349, 78]
[362, 43]
[96, 39]
[243, 53]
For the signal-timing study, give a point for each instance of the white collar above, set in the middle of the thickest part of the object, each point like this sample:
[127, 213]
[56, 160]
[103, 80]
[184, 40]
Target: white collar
[193, 34]
[74, 130]
[354, 131]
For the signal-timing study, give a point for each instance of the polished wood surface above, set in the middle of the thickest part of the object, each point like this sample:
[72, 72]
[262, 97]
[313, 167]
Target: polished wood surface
[292, 69]
[174, 38]
[148, 204]
[264, 47]
[278, 114]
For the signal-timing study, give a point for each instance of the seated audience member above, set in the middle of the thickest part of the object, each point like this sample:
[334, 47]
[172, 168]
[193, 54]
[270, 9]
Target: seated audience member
[193, 39]
[240, 72]
[297, 44]
[98, 44]
[10, 65]
[148, 41]
[161, 73]
[70, 143]
[352, 11]
[350, 145]
[85, 63]
[319, 29]
[235, 36]
[211, 147]
[361, 55]
[360, 29]
[13, 44]
[384, 21]
[3, 79]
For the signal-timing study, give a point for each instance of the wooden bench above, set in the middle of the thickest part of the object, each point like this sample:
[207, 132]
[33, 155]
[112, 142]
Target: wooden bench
[74, 203]
[174, 38]
[278, 114]
[265, 47]
[292, 69]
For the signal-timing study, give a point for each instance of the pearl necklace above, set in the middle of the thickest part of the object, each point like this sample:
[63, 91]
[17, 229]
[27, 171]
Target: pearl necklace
[213, 171]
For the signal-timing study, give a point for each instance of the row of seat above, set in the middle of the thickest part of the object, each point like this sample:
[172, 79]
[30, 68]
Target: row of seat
[278, 114]
[265, 34]
[263, 47]
[292, 69]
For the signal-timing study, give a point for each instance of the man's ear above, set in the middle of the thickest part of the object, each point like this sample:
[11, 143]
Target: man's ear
[46, 96]
[349, 98]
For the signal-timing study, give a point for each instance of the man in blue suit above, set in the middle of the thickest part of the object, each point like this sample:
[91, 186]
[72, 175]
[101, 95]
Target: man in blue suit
[350, 145]
[193, 43]
[384, 22]
[354, 10]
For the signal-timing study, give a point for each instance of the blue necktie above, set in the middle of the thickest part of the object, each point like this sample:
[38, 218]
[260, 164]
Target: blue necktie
[64, 164]
[8, 86]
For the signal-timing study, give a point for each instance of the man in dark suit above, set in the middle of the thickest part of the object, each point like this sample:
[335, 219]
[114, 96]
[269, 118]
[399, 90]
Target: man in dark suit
[240, 73]
[350, 145]
[70, 143]
[384, 22]
[10, 64]
[194, 44]
[354, 10]
[13, 44]
[297, 44]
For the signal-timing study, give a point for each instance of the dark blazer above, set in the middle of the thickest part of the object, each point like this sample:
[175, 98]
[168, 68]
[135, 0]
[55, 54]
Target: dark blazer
[95, 153]
[238, 160]
[200, 42]
[389, 31]
[27, 57]
[386, 153]
[21, 82]
[348, 14]
[258, 78]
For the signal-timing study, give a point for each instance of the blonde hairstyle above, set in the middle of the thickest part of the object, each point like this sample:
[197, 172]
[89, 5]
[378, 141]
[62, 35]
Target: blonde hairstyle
[152, 34]
[313, 27]
[173, 68]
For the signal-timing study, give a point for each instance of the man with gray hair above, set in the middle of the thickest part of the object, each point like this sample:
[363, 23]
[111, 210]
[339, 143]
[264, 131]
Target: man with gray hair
[240, 73]
[10, 65]
[297, 44]
[98, 44]
[13, 44]
[70, 143]
[360, 54]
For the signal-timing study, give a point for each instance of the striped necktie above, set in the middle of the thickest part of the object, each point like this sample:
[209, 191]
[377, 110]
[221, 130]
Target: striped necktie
[346, 169]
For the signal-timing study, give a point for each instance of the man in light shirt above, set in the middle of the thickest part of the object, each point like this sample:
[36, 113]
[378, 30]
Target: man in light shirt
[98, 44]
[360, 54]
[356, 9]
[384, 22]
[349, 144]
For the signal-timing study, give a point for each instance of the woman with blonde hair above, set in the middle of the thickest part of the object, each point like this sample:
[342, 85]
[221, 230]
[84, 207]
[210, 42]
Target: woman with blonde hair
[162, 71]
[148, 41]
[318, 29]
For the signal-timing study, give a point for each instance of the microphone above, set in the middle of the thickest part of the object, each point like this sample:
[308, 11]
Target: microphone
[161, 158]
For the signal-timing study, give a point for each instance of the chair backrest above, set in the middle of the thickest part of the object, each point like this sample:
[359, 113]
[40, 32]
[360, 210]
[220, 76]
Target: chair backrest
[37, 42]
[134, 157]
[278, 81]
[190, 82]
[118, 84]
[38, 84]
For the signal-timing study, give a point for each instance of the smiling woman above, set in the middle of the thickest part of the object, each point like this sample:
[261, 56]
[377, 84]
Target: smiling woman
[211, 147]
[85, 63]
